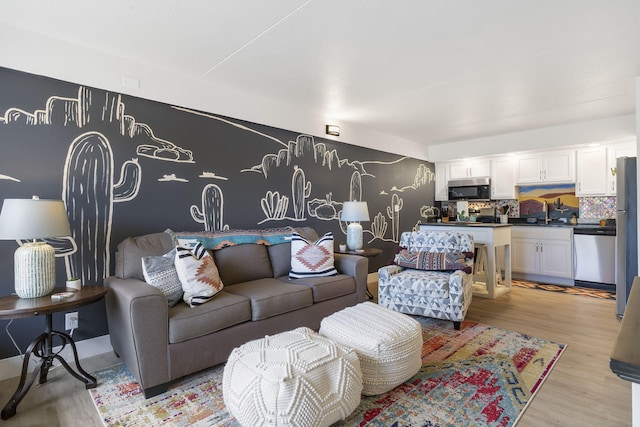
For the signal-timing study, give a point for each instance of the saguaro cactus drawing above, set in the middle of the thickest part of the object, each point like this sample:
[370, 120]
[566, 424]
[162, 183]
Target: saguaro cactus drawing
[89, 194]
[393, 212]
[300, 190]
[212, 207]
[355, 189]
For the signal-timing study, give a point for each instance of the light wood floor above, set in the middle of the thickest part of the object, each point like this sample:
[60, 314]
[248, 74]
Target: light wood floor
[580, 391]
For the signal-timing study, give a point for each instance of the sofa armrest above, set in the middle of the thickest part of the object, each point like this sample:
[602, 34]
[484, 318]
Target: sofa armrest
[385, 273]
[356, 266]
[138, 319]
[457, 282]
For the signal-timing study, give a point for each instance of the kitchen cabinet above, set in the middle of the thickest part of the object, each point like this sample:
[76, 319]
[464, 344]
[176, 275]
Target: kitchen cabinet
[442, 179]
[469, 168]
[552, 167]
[543, 253]
[591, 171]
[622, 149]
[503, 185]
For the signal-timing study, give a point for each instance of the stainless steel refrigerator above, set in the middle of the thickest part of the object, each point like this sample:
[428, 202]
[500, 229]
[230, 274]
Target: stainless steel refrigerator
[627, 230]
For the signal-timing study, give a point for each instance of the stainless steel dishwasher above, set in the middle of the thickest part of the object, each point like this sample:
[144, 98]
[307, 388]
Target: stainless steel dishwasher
[594, 256]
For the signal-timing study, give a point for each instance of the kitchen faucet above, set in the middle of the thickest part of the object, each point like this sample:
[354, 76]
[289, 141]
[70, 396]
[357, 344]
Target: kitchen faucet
[545, 209]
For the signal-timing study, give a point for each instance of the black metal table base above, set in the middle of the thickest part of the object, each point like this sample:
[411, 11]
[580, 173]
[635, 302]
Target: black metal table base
[42, 347]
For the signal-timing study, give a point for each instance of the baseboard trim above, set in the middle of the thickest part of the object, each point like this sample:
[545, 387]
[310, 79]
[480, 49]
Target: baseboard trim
[12, 366]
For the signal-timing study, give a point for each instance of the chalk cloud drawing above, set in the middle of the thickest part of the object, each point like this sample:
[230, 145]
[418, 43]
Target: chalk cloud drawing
[9, 178]
[172, 177]
[212, 175]
[211, 210]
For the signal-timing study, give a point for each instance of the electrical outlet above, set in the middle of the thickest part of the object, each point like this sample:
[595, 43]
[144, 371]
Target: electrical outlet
[71, 321]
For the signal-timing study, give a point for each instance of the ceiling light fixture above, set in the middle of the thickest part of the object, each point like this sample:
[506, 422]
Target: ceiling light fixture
[333, 130]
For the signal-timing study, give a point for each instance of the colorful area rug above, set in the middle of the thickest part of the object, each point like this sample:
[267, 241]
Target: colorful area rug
[572, 290]
[479, 375]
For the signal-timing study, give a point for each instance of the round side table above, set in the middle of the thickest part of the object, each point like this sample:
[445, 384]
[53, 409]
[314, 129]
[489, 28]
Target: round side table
[14, 307]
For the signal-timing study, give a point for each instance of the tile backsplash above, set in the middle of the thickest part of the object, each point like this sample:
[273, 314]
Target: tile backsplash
[597, 207]
[589, 207]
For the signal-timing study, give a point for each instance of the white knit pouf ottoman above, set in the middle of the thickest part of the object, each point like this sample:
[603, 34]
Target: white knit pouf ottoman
[388, 343]
[295, 378]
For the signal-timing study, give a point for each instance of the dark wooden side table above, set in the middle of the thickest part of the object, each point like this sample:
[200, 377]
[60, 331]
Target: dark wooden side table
[365, 252]
[14, 307]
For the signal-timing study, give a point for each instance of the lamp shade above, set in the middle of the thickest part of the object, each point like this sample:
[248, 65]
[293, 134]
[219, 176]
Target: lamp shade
[355, 211]
[33, 219]
[34, 262]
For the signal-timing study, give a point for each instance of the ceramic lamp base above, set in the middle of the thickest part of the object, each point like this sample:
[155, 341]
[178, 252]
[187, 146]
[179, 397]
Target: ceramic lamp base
[354, 236]
[34, 267]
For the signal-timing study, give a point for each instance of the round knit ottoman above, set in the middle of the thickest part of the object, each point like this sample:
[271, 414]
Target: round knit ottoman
[295, 378]
[388, 343]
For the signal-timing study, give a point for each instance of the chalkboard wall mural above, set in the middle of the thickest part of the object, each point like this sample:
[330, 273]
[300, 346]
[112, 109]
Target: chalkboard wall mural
[129, 166]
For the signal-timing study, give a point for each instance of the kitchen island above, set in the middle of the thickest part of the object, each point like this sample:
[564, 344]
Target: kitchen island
[486, 236]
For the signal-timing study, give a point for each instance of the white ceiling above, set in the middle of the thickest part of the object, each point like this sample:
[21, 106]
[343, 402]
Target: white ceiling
[429, 71]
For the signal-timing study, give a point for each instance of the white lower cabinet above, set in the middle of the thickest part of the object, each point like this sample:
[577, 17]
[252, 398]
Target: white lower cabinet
[542, 253]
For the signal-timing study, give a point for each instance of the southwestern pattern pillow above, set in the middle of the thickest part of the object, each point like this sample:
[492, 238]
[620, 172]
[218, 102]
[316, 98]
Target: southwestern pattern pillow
[160, 272]
[198, 274]
[312, 259]
[435, 261]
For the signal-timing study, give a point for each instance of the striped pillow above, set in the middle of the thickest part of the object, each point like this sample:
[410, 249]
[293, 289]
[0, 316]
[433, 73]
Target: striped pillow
[198, 274]
[311, 259]
[435, 261]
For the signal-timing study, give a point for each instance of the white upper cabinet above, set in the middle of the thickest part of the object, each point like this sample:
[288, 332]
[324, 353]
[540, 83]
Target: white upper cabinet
[548, 167]
[622, 149]
[442, 179]
[503, 185]
[469, 168]
[591, 176]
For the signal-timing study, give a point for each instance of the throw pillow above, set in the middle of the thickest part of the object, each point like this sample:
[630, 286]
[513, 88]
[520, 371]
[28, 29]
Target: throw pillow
[311, 259]
[435, 261]
[160, 272]
[198, 274]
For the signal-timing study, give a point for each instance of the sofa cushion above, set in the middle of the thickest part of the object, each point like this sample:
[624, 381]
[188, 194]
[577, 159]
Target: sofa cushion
[270, 297]
[160, 272]
[325, 288]
[132, 249]
[223, 311]
[312, 259]
[198, 274]
[243, 263]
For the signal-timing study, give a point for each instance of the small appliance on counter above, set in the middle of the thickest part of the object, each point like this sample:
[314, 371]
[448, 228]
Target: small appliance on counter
[487, 215]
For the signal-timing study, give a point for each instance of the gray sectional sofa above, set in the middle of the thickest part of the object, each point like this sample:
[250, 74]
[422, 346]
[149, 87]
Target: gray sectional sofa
[159, 344]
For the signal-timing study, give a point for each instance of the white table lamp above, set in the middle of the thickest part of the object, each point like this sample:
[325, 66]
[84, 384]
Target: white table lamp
[353, 212]
[34, 262]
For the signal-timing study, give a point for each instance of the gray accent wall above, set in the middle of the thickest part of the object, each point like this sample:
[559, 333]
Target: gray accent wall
[130, 166]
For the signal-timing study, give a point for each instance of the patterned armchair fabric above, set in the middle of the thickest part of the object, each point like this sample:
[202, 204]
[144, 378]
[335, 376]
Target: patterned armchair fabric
[439, 294]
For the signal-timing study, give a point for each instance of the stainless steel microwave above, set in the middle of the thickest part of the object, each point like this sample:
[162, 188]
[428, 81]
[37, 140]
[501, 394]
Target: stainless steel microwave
[470, 189]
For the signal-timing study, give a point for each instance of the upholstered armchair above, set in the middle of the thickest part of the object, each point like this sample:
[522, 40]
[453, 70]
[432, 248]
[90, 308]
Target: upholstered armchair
[433, 276]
